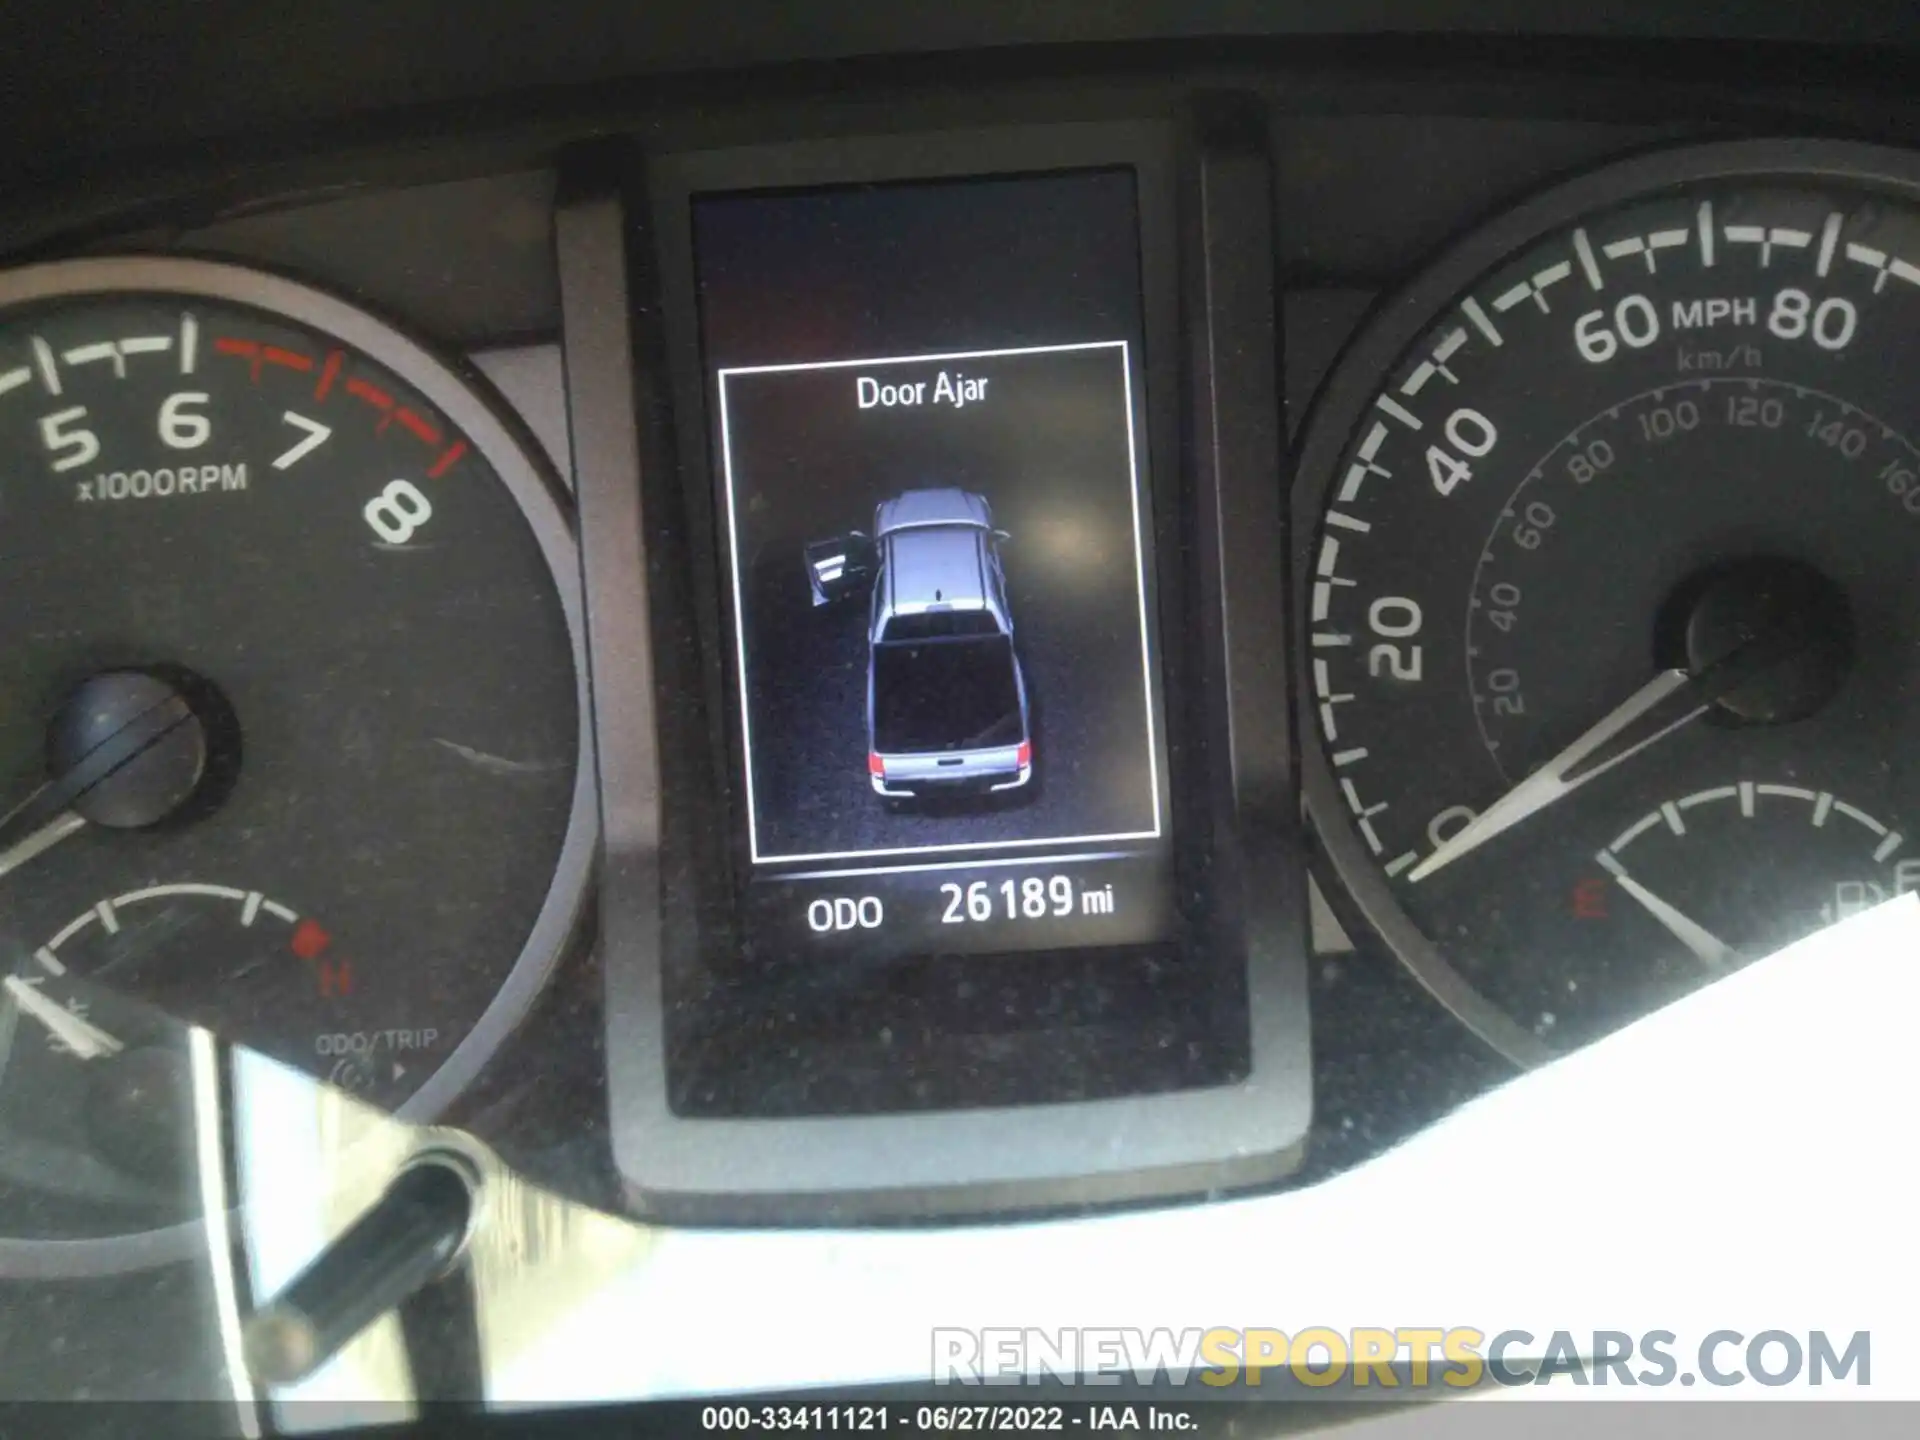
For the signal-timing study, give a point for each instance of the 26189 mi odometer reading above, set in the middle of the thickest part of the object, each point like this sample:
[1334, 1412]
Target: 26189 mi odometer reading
[1610, 595]
[1032, 897]
[1021, 899]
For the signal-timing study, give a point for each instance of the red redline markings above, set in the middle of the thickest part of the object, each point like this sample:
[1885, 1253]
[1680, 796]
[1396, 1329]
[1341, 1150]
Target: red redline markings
[376, 397]
[257, 355]
[292, 359]
[427, 434]
[361, 390]
[249, 350]
[445, 463]
[421, 428]
[329, 374]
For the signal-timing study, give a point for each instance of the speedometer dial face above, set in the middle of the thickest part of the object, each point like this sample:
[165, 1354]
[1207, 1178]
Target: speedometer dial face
[290, 717]
[1611, 605]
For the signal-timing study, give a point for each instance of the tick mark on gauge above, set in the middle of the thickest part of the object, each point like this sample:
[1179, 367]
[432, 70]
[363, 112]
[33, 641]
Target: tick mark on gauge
[247, 350]
[1398, 411]
[372, 395]
[1470, 307]
[102, 350]
[329, 373]
[43, 358]
[419, 428]
[1829, 235]
[1445, 351]
[1590, 267]
[446, 461]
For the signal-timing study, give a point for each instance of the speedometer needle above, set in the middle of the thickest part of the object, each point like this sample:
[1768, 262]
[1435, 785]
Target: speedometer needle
[1663, 705]
[1651, 714]
[1707, 947]
[79, 1035]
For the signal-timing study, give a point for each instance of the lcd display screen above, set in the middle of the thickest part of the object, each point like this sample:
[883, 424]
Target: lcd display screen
[936, 529]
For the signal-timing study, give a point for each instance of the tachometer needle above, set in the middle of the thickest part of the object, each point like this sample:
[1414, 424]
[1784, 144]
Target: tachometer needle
[1708, 948]
[1656, 710]
[38, 841]
[78, 1034]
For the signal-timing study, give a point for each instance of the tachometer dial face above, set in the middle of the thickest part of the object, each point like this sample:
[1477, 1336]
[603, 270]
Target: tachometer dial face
[1611, 609]
[291, 740]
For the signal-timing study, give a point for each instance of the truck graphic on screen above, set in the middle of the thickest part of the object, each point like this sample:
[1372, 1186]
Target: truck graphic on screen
[947, 706]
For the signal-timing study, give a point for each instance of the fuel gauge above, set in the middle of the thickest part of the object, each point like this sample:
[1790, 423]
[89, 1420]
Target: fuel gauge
[96, 1134]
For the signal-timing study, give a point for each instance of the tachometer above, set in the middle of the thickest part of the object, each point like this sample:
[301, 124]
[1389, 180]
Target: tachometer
[1611, 610]
[291, 718]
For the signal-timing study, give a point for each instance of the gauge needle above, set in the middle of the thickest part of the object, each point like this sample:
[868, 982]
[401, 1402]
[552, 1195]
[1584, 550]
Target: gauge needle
[1656, 710]
[79, 1035]
[38, 841]
[54, 811]
[1707, 947]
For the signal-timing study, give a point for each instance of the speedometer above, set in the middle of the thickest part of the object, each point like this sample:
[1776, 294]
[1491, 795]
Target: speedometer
[1610, 605]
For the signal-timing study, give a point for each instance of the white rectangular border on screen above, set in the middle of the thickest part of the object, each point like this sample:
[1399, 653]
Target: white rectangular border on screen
[1140, 592]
